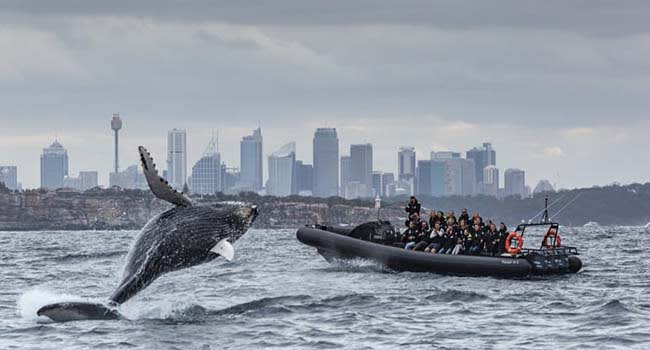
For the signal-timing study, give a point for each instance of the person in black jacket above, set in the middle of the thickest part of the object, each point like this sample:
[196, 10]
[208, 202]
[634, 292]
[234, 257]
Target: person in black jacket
[464, 215]
[413, 207]
[410, 236]
[491, 238]
[503, 234]
[423, 238]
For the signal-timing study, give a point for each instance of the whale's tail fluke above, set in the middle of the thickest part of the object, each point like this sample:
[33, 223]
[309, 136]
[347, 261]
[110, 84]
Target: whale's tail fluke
[77, 311]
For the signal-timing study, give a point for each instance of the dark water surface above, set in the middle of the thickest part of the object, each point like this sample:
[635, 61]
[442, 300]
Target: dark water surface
[281, 294]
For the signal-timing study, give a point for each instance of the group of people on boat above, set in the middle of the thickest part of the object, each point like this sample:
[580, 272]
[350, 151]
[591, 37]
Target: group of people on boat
[448, 234]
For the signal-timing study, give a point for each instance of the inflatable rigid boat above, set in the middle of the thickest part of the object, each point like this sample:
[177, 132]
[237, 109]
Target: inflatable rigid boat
[379, 242]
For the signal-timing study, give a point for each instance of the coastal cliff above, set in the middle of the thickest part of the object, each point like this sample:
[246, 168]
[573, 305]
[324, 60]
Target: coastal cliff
[114, 209]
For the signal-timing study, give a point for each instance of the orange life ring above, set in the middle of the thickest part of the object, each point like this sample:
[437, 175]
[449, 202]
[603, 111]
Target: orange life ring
[514, 250]
[557, 241]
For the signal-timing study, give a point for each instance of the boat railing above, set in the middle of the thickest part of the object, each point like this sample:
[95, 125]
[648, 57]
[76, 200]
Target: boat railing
[551, 252]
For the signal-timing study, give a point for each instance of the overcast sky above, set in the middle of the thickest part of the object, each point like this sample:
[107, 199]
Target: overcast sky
[560, 88]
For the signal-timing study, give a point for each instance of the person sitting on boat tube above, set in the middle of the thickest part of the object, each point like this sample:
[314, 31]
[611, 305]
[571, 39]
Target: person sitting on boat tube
[423, 237]
[460, 238]
[435, 239]
[410, 235]
[491, 240]
[503, 234]
[464, 215]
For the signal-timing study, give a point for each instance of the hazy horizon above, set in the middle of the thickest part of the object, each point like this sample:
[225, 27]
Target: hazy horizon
[560, 91]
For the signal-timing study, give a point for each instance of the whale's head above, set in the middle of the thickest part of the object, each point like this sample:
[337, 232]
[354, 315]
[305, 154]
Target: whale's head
[241, 216]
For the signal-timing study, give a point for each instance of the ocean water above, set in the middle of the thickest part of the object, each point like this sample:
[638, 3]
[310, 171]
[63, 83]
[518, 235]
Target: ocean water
[281, 294]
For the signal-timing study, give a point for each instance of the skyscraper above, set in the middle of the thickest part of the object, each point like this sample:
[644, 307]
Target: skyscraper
[9, 176]
[207, 172]
[250, 160]
[346, 168]
[177, 158]
[304, 178]
[361, 165]
[515, 182]
[116, 125]
[490, 184]
[282, 171]
[54, 166]
[406, 163]
[388, 183]
[482, 157]
[326, 162]
[459, 175]
[423, 179]
[378, 183]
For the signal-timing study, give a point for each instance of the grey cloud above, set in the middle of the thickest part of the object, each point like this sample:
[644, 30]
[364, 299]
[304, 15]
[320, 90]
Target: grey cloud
[594, 17]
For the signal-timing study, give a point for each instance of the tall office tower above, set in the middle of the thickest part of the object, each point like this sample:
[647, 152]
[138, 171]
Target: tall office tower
[207, 172]
[304, 178]
[482, 157]
[406, 163]
[326, 162]
[346, 177]
[361, 165]
[177, 158]
[388, 182]
[250, 161]
[54, 166]
[9, 176]
[459, 175]
[116, 125]
[378, 183]
[515, 182]
[490, 184]
[282, 171]
[423, 178]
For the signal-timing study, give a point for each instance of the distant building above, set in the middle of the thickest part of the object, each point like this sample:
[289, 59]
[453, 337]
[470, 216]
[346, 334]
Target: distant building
[116, 125]
[543, 186]
[230, 178]
[459, 175]
[85, 181]
[515, 182]
[406, 168]
[130, 178]
[250, 161]
[304, 178]
[482, 157]
[282, 171]
[490, 184]
[361, 166]
[378, 184]
[388, 184]
[346, 173]
[206, 175]
[406, 163]
[423, 178]
[438, 178]
[9, 176]
[326, 162]
[54, 166]
[177, 158]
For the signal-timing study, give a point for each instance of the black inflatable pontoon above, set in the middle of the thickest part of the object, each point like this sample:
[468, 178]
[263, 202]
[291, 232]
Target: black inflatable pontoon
[373, 241]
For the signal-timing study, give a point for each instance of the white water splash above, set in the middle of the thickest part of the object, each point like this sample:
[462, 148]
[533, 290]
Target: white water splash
[32, 300]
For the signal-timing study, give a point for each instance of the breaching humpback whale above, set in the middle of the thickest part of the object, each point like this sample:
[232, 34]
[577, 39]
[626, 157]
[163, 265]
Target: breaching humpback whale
[187, 235]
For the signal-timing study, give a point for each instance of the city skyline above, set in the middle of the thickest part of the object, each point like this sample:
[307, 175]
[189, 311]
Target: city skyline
[192, 158]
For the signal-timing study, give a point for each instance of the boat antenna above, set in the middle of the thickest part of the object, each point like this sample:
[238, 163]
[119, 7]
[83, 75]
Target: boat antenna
[566, 205]
[545, 216]
[546, 208]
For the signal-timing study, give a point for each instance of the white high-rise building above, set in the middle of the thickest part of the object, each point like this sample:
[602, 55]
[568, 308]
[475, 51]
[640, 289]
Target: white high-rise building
[515, 182]
[54, 166]
[490, 184]
[459, 174]
[177, 158]
[326, 162]
[9, 176]
[207, 172]
[282, 171]
[250, 161]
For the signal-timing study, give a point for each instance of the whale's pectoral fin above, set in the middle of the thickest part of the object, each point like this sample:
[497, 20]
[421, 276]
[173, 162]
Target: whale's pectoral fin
[225, 249]
[158, 185]
[76, 311]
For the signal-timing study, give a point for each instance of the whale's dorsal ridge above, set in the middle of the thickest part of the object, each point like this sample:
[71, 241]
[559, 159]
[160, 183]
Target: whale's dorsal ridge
[161, 188]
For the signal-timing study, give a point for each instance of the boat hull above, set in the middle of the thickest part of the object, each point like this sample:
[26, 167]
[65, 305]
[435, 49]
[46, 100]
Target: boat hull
[337, 245]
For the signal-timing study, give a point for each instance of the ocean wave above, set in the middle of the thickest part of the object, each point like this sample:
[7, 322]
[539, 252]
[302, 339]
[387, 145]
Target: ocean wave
[451, 295]
[88, 256]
